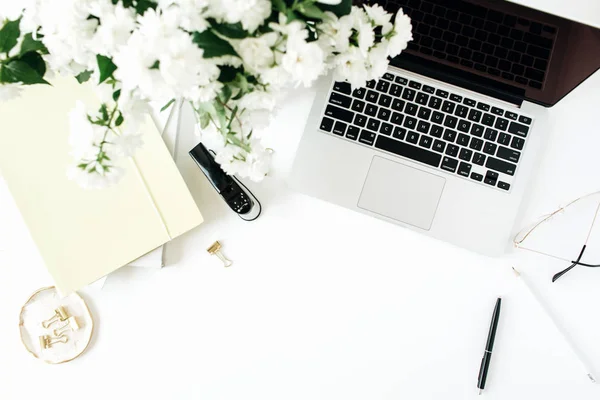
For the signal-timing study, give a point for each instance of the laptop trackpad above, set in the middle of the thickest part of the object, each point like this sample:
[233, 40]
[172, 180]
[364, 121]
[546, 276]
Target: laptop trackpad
[402, 193]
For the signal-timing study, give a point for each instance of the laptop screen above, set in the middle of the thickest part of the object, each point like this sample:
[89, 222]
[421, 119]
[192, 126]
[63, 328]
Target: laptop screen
[531, 54]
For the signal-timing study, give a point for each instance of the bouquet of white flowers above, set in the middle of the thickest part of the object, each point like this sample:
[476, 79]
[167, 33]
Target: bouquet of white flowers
[231, 59]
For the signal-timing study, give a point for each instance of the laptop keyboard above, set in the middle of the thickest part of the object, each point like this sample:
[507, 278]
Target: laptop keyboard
[432, 126]
[505, 46]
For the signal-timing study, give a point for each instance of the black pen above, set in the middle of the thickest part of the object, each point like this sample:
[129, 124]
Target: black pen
[487, 355]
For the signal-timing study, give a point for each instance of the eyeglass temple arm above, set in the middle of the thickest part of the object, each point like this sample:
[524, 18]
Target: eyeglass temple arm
[564, 271]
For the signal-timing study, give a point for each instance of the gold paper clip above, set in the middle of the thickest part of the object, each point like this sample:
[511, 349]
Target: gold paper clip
[215, 250]
[47, 341]
[60, 314]
[70, 325]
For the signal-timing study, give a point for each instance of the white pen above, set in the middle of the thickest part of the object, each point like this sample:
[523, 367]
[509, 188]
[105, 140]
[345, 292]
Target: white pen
[578, 353]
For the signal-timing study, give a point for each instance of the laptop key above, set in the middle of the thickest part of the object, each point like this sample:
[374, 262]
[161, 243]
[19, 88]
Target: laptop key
[491, 178]
[339, 128]
[449, 135]
[465, 154]
[399, 133]
[386, 129]
[358, 105]
[412, 137]
[464, 126]
[371, 84]
[398, 104]
[372, 96]
[437, 117]
[414, 85]
[483, 106]
[423, 127]
[397, 118]
[326, 124]
[464, 169]
[401, 80]
[510, 115]
[503, 185]
[469, 102]
[388, 76]
[508, 154]
[490, 134]
[478, 159]
[452, 150]
[441, 93]
[461, 111]
[359, 93]
[518, 129]
[525, 120]
[360, 120]
[373, 124]
[517, 143]
[439, 146]
[342, 87]
[490, 148]
[422, 98]
[497, 111]
[450, 121]
[385, 100]
[448, 107]
[501, 124]
[396, 90]
[340, 100]
[383, 114]
[501, 166]
[428, 89]
[367, 137]
[477, 130]
[339, 113]
[455, 97]
[383, 86]
[474, 115]
[424, 113]
[371, 110]
[436, 131]
[410, 122]
[504, 138]
[425, 141]
[409, 151]
[488, 119]
[408, 94]
[352, 132]
[476, 144]
[435, 103]
[449, 164]
[463, 139]
[477, 177]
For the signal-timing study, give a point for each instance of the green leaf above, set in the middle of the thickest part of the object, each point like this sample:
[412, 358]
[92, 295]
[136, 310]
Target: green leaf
[232, 31]
[279, 5]
[143, 5]
[9, 35]
[35, 61]
[104, 112]
[237, 142]
[105, 66]
[167, 105]
[225, 94]
[311, 11]
[119, 120]
[339, 10]
[156, 65]
[30, 44]
[204, 120]
[116, 95]
[84, 76]
[228, 73]
[19, 71]
[213, 45]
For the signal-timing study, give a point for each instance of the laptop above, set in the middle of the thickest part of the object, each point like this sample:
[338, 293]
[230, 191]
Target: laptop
[441, 144]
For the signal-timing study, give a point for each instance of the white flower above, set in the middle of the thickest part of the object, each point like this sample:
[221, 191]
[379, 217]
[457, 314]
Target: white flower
[330, 2]
[335, 33]
[251, 13]
[276, 76]
[11, 9]
[379, 16]
[378, 61]
[191, 13]
[351, 67]
[303, 61]
[116, 25]
[84, 136]
[366, 36]
[126, 145]
[10, 91]
[402, 34]
[256, 52]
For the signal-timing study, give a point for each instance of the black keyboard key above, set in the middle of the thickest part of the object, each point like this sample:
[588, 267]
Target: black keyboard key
[385, 100]
[539, 52]
[360, 120]
[410, 122]
[461, 111]
[476, 144]
[518, 129]
[401, 80]
[465, 154]
[422, 98]
[412, 137]
[399, 133]
[448, 107]
[388, 76]
[437, 117]
[478, 159]
[340, 100]
[508, 154]
[428, 89]
[441, 93]
[540, 64]
[435, 103]
[396, 90]
[464, 169]
[359, 93]
[339, 128]
[503, 185]
[469, 102]
[408, 94]
[464, 126]
[414, 85]
[497, 111]
[367, 137]
[476, 177]
[501, 166]
[424, 113]
[452, 150]
[371, 84]
[463, 139]
[358, 105]
[406, 150]
[397, 118]
[371, 109]
[527, 60]
[384, 114]
[411, 109]
[483, 106]
[436, 131]
[490, 134]
[490, 148]
[449, 164]
[534, 74]
[450, 135]
[373, 124]
[398, 105]
[386, 129]
[474, 115]
[339, 113]
[525, 120]
[491, 178]
[372, 96]
[488, 119]
[501, 123]
[383, 86]
[352, 132]
[423, 127]
[425, 141]
[477, 130]
[326, 124]
[342, 87]
[517, 143]
[504, 138]
[439, 146]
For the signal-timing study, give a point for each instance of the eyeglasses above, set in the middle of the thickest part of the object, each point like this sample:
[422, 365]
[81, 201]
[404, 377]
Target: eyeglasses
[522, 236]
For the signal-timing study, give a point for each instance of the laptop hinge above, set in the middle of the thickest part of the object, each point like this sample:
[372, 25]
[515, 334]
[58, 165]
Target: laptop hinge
[458, 77]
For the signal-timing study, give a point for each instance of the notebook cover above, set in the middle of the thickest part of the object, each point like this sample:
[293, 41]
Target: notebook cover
[82, 235]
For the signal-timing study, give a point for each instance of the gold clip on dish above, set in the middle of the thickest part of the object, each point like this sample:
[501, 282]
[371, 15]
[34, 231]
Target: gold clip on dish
[60, 314]
[47, 341]
[70, 325]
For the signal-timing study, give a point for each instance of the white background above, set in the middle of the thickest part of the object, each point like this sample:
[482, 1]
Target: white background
[321, 302]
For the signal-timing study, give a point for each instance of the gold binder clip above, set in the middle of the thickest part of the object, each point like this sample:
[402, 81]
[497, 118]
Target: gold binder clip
[215, 250]
[47, 341]
[70, 325]
[60, 314]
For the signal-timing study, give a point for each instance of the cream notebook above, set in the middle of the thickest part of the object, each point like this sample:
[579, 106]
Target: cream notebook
[84, 235]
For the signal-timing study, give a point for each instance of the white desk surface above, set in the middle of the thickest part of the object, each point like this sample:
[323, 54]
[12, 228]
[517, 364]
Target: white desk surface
[322, 303]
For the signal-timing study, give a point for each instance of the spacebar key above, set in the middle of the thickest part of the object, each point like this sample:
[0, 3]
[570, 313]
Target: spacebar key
[408, 151]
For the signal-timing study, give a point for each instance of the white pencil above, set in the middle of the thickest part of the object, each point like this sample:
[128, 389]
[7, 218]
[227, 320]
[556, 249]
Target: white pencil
[578, 353]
